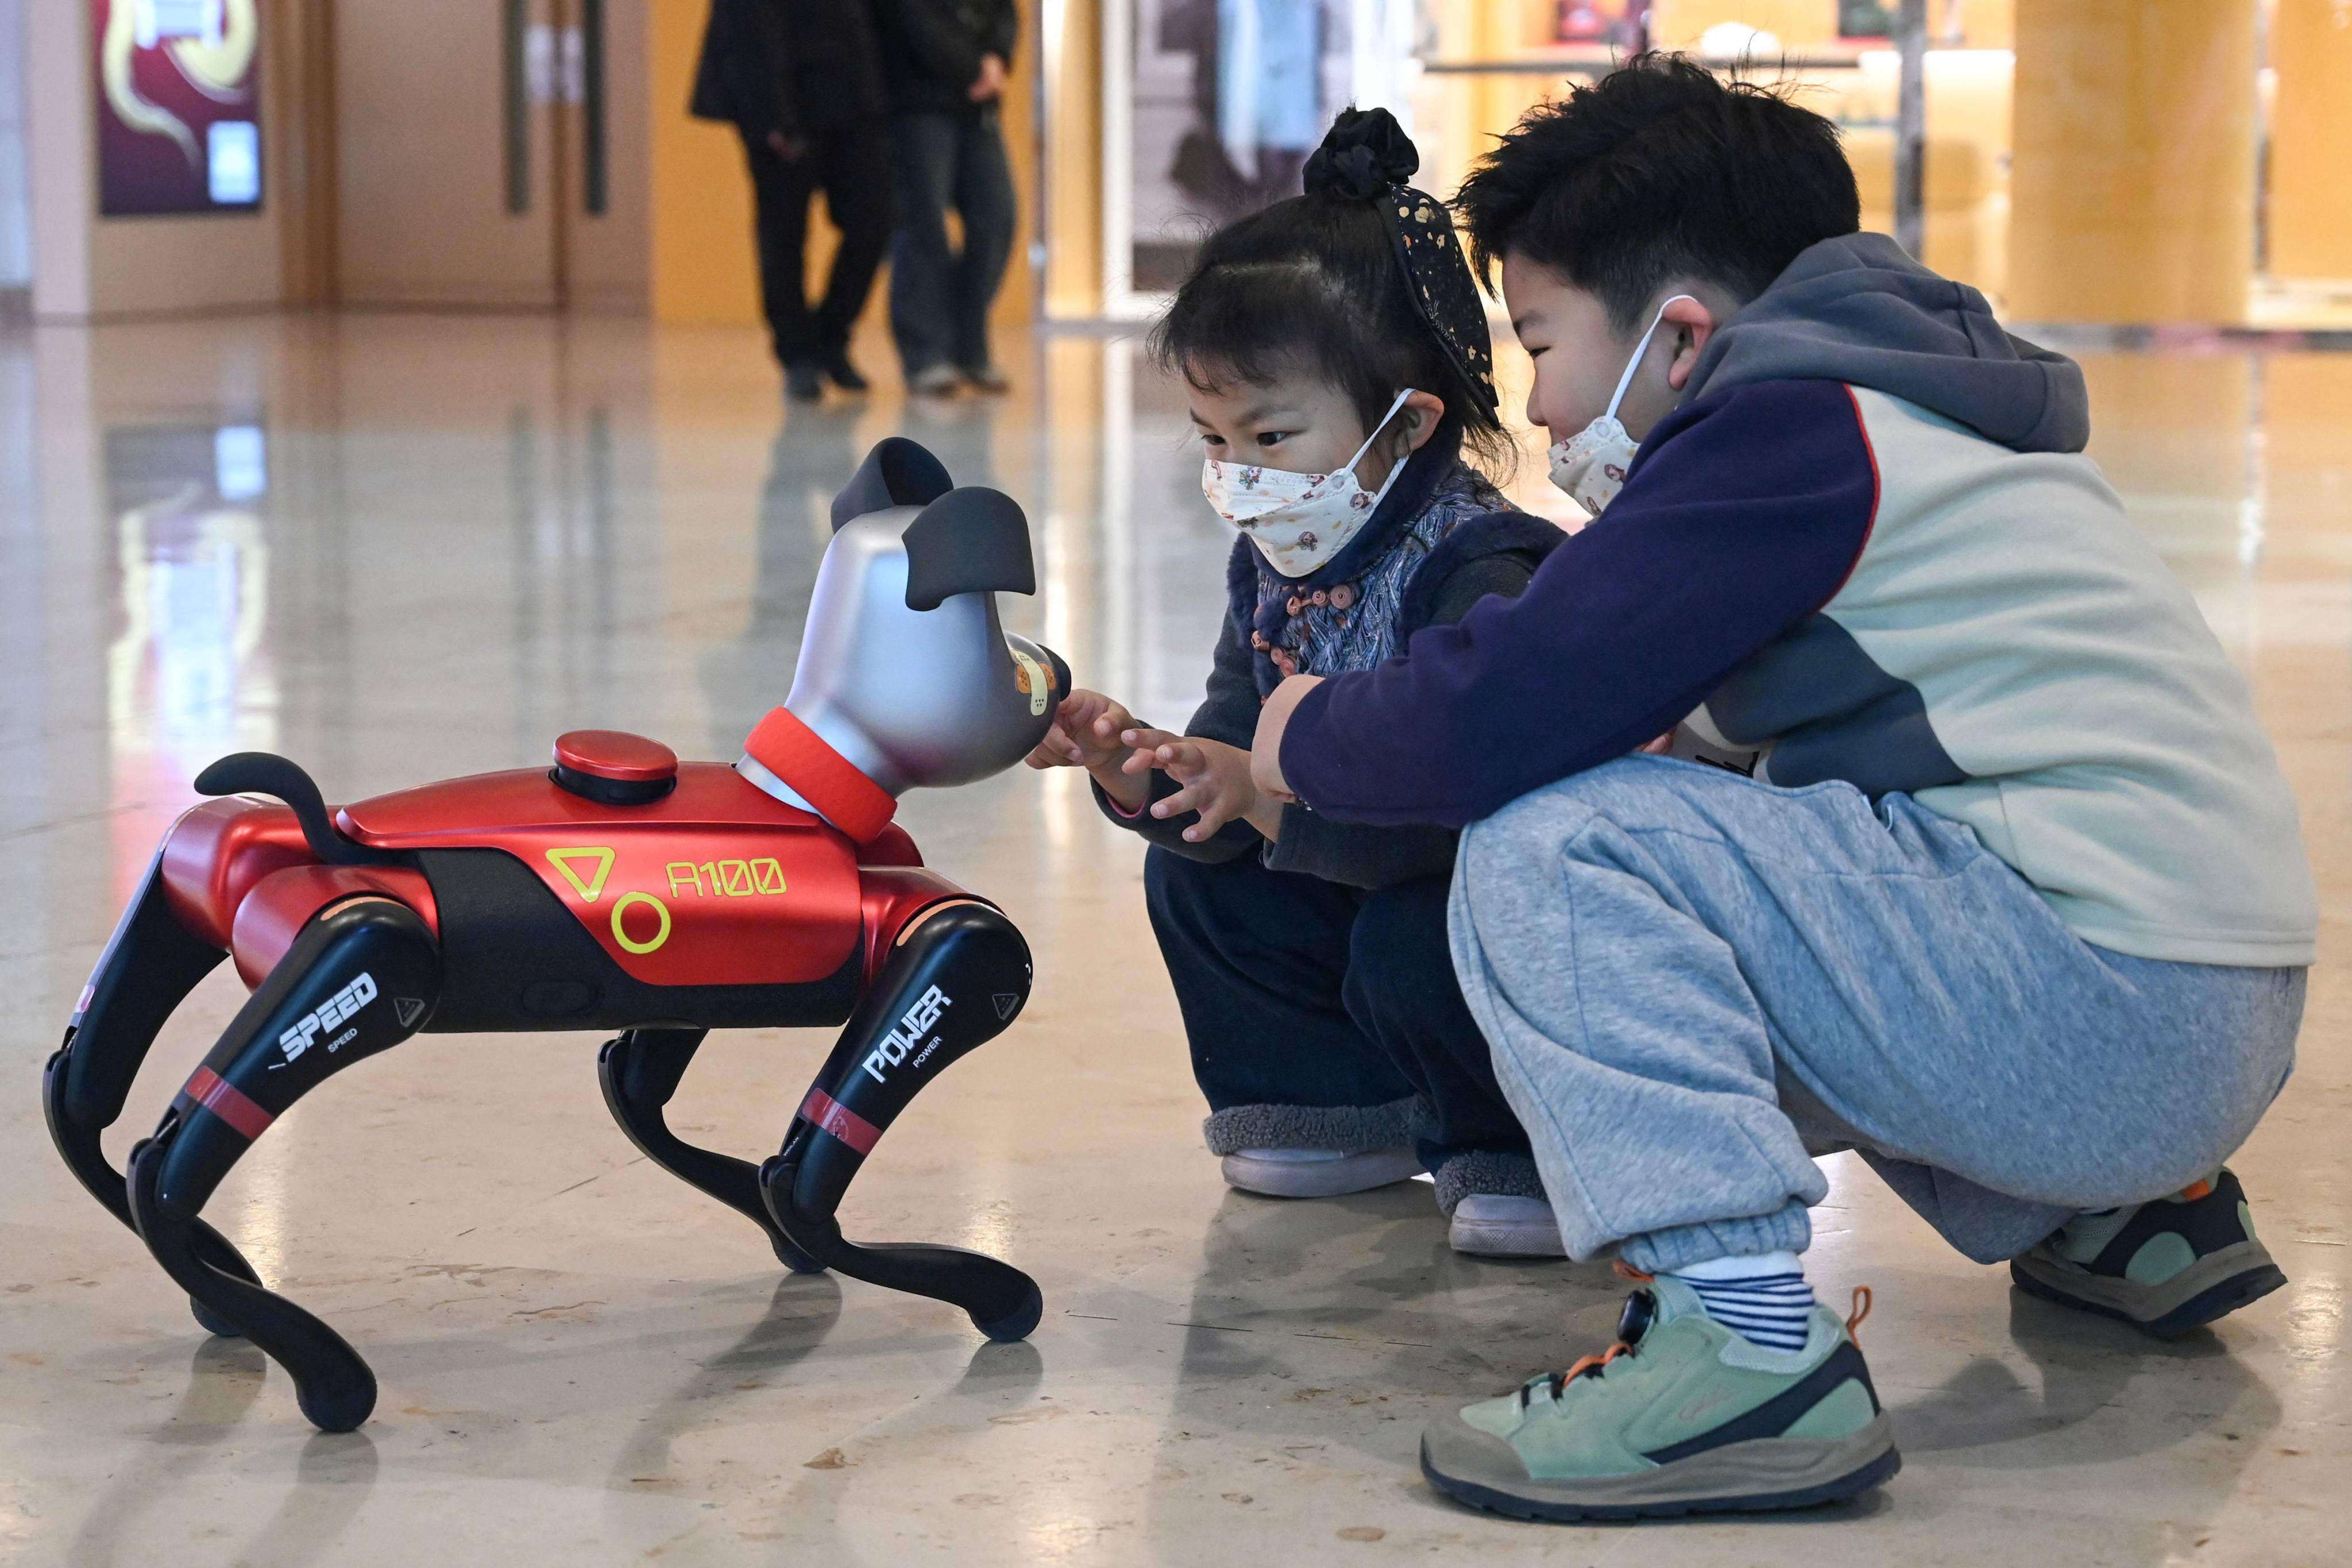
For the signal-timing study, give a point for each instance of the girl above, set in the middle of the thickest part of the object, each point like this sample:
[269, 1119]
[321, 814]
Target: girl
[1337, 355]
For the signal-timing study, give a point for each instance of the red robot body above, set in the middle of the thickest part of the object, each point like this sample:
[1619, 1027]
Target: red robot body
[619, 890]
[715, 883]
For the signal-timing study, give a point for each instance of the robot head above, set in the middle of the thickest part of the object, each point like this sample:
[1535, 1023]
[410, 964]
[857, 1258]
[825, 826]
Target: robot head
[905, 668]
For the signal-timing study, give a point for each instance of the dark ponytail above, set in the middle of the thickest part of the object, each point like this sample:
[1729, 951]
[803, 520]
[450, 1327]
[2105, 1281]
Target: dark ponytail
[1351, 283]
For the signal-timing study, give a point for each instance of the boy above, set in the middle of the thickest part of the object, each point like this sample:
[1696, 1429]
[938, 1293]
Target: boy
[2016, 904]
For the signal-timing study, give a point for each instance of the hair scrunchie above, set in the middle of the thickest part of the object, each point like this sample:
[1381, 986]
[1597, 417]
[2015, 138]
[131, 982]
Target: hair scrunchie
[1364, 153]
[1367, 156]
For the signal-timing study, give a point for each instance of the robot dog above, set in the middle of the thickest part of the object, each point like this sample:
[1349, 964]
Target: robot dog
[618, 889]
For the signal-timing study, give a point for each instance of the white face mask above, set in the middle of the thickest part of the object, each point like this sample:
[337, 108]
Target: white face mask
[1298, 522]
[1591, 465]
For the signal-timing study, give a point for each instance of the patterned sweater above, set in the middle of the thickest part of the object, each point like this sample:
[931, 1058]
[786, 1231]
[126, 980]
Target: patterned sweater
[1443, 540]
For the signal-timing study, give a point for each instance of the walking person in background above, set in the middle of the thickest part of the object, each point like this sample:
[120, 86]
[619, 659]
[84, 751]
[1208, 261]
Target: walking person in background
[802, 81]
[944, 62]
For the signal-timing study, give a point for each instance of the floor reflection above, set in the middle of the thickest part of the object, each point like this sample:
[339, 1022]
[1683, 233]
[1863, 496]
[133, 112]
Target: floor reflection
[190, 674]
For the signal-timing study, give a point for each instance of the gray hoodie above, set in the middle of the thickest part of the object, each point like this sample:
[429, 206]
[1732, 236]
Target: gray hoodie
[1857, 309]
[1869, 547]
[2008, 646]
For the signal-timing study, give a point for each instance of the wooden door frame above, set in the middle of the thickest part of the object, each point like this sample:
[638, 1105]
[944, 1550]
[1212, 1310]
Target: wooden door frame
[299, 85]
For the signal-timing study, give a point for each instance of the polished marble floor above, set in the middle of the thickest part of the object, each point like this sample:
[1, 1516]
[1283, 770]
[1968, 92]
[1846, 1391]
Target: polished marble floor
[396, 548]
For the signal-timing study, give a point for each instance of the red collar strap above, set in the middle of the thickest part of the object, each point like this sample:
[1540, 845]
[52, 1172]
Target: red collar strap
[821, 775]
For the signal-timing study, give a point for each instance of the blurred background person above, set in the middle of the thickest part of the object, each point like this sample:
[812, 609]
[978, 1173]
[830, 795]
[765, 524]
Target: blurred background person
[802, 81]
[944, 62]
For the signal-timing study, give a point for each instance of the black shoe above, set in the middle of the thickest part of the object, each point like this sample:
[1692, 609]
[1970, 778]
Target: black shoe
[805, 382]
[2165, 1267]
[844, 374]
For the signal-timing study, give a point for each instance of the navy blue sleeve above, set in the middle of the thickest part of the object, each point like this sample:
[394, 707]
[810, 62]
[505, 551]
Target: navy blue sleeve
[1744, 514]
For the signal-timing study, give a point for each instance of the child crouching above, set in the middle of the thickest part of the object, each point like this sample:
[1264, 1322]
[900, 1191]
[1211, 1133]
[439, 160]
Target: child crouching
[1338, 365]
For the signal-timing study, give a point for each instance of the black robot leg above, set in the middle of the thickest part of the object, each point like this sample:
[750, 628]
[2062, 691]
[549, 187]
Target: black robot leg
[640, 1071]
[362, 976]
[953, 982]
[149, 967]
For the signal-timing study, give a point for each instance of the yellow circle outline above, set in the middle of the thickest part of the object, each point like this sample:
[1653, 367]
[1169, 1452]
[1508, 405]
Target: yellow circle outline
[620, 907]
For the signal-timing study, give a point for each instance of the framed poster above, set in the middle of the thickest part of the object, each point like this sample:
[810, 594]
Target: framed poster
[178, 106]
[1210, 108]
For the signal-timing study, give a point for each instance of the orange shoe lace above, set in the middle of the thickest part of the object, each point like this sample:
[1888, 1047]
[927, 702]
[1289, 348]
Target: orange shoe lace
[1594, 1364]
[1858, 1310]
[1585, 1363]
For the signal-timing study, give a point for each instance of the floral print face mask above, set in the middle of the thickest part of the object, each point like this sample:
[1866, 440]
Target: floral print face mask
[1592, 463]
[1298, 522]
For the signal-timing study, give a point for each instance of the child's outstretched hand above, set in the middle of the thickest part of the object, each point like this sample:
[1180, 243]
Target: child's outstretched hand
[1216, 780]
[1084, 734]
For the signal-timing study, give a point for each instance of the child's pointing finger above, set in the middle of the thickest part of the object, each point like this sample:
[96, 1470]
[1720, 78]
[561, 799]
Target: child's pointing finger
[1152, 748]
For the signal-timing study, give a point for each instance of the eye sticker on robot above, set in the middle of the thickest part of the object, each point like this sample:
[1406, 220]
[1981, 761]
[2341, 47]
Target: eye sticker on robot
[1034, 680]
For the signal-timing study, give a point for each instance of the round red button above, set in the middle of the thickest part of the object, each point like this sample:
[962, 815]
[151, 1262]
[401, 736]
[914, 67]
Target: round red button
[616, 754]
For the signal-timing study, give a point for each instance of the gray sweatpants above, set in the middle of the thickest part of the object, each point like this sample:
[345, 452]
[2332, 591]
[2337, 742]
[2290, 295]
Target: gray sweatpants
[1690, 981]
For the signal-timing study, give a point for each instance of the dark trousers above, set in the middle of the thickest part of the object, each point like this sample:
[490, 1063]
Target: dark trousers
[851, 164]
[1302, 996]
[939, 296]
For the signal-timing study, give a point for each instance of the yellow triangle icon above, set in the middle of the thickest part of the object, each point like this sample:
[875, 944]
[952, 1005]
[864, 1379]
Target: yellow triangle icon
[561, 860]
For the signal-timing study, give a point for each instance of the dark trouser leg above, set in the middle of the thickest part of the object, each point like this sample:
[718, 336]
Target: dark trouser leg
[779, 195]
[922, 152]
[1258, 959]
[984, 195]
[853, 165]
[1401, 993]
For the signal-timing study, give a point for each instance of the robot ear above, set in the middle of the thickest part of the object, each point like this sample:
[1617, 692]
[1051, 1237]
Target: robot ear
[968, 541]
[897, 472]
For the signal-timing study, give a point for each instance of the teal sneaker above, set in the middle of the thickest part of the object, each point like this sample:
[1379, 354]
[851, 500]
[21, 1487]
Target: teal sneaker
[1681, 1416]
[2164, 1267]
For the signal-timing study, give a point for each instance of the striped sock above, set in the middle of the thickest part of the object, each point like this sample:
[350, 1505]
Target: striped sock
[1765, 1300]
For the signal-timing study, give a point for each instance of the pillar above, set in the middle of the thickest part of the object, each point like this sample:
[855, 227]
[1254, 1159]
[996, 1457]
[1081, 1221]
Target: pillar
[2311, 140]
[2133, 184]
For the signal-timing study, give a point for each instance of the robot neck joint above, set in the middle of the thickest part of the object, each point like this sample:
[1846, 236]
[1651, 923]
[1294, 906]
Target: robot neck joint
[798, 756]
